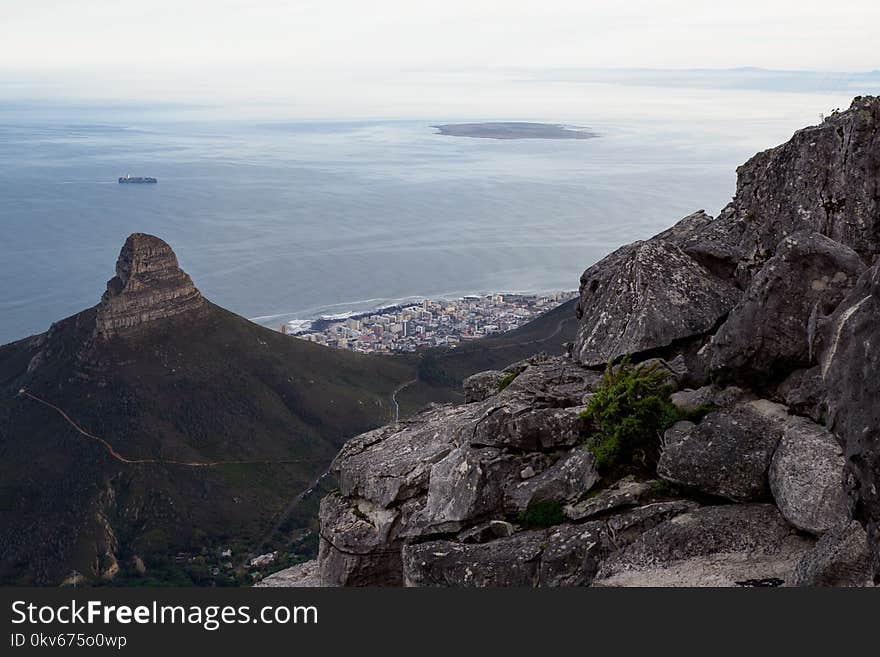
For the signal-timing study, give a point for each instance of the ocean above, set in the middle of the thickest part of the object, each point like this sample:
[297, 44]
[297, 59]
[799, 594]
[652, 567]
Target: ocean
[290, 219]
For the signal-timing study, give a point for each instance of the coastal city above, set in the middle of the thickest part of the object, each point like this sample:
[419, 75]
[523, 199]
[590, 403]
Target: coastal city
[429, 323]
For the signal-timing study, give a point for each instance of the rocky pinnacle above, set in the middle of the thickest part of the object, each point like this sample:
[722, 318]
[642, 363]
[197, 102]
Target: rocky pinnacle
[149, 286]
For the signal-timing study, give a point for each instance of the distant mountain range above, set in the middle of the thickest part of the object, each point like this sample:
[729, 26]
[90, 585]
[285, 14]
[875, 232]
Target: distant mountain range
[742, 78]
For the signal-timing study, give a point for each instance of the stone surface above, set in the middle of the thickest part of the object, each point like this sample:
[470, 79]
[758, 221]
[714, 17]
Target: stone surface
[773, 327]
[849, 367]
[644, 296]
[839, 558]
[624, 528]
[567, 555]
[806, 478]
[550, 382]
[513, 561]
[481, 385]
[358, 543]
[625, 493]
[304, 575]
[149, 286]
[465, 486]
[710, 546]
[571, 477]
[394, 463]
[487, 531]
[728, 453]
[691, 400]
[522, 426]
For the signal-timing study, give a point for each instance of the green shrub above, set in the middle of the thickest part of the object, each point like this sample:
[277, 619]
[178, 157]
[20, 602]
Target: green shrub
[629, 411]
[542, 514]
[507, 380]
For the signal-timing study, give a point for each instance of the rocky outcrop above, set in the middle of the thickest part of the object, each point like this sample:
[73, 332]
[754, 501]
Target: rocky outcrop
[780, 294]
[823, 180]
[774, 327]
[304, 575]
[149, 286]
[481, 385]
[849, 367]
[644, 296]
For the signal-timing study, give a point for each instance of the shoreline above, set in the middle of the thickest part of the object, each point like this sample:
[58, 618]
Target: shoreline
[308, 321]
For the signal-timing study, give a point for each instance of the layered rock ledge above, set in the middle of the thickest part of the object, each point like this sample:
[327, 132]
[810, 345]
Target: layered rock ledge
[149, 286]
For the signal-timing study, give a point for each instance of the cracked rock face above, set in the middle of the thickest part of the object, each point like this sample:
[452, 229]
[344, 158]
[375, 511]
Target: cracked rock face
[849, 369]
[149, 286]
[823, 180]
[774, 327]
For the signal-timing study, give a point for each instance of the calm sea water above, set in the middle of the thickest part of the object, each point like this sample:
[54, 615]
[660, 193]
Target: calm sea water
[282, 220]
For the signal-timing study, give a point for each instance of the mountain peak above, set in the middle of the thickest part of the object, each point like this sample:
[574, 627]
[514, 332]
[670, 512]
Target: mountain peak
[149, 286]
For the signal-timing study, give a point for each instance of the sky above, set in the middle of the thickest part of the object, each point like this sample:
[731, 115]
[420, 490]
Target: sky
[338, 52]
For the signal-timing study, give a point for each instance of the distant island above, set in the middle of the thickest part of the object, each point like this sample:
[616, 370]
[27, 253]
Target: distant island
[514, 130]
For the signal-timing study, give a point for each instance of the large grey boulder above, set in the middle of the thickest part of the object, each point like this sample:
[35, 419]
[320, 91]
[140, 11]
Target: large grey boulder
[849, 367]
[567, 555]
[571, 477]
[840, 558]
[773, 329]
[710, 546]
[728, 453]
[643, 296]
[806, 478]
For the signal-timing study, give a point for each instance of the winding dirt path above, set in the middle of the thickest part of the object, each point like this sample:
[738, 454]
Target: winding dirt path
[132, 461]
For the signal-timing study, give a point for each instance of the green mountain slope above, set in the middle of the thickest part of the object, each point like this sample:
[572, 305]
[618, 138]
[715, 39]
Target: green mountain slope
[199, 386]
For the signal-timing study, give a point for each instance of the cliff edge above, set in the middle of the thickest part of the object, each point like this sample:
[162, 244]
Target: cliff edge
[750, 342]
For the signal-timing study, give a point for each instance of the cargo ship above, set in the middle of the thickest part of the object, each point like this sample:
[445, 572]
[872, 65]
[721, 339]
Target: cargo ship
[137, 179]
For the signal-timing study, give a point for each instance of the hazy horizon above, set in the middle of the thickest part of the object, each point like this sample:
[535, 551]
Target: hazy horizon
[388, 59]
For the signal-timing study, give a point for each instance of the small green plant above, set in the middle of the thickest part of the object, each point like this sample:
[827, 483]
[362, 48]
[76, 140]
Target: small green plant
[507, 380]
[542, 514]
[629, 411]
